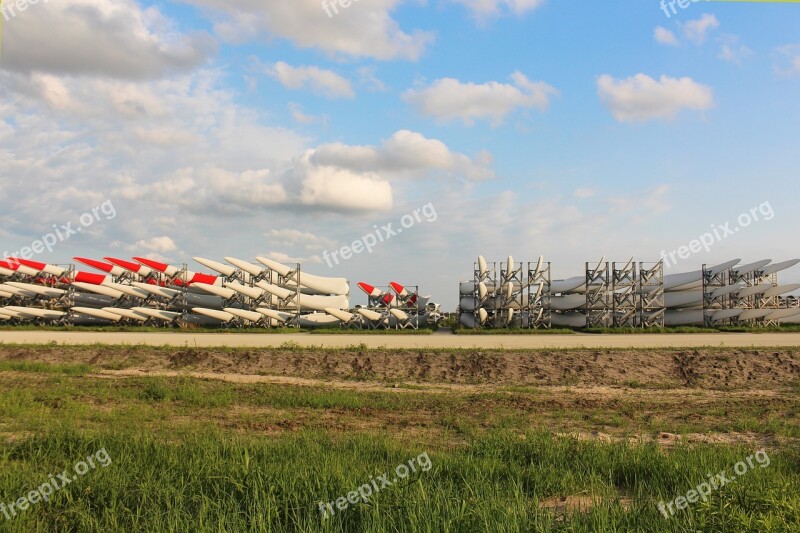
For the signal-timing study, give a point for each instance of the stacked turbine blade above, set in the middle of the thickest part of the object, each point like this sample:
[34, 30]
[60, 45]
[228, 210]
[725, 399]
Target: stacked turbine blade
[616, 294]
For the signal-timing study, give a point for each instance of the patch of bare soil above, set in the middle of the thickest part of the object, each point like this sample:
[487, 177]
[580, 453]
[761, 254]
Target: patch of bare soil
[579, 503]
[670, 440]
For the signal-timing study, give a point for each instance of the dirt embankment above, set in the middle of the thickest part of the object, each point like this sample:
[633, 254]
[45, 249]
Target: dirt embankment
[669, 368]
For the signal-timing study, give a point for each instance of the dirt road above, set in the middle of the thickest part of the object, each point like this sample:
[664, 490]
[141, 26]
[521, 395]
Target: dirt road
[439, 340]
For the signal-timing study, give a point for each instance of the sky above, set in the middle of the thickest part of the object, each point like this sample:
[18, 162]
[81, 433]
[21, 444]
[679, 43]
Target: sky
[291, 128]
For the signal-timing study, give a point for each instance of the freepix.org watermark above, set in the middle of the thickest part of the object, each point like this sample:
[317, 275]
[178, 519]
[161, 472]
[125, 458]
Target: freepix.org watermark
[718, 233]
[331, 7]
[669, 5]
[63, 232]
[715, 482]
[54, 484]
[367, 490]
[381, 234]
[10, 8]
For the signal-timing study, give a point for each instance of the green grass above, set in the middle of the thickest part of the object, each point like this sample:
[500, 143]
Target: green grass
[202, 455]
[217, 482]
[45, 368]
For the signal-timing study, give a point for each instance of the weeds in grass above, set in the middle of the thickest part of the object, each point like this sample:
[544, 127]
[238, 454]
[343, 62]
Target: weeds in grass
[217, 482]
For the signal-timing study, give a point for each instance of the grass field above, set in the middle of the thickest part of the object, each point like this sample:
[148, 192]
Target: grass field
[239, 451]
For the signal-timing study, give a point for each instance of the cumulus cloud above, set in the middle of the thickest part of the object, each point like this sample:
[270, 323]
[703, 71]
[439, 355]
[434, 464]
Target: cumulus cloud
[220, 191]
[697, 30]
[366, 29]
[323, 82]
[332, 177]
[113, 38]
[182, 147]
[85, 140]
[339, 189]
[641, 98]
[449, 99]
[406, 155]
[665, 36]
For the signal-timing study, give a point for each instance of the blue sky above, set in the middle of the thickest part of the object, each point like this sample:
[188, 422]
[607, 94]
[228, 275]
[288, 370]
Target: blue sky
[244, 128]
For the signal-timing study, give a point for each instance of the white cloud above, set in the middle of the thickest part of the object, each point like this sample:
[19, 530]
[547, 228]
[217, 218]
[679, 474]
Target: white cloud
[450, 99]
[643, 204]
[159, 245]
[113, 38]
[664, 36]
[365, 29]
[732, 51]
[290, 260]
[339, 189]
[484, 9]
[301, 117]
[295, 237]
[188, 151]
[641, 98]
[787, 62]
[406, 155]
[220, 191]
[367, 77]
[323, 82]
[84, 140]
[332, 177]
[697, 30]
[584, 192]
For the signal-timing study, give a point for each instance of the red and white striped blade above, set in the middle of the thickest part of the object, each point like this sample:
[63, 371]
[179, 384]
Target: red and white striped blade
[90, 277]
[13, 264]
[102, 266]
[371, 291]
[164, 268]
[208, 279]
[399, 289]
[130, 266]
[42, 267]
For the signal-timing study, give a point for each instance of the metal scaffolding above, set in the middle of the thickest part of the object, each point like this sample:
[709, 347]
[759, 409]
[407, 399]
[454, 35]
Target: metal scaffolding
[652, 308]
[598, 295]
[625, 294]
